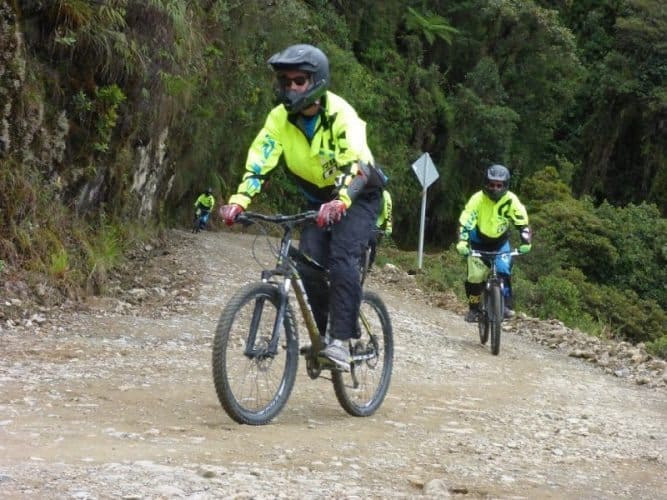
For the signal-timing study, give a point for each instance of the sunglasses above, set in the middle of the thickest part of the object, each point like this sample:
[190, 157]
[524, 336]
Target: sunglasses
[495, 185]
[286, 81]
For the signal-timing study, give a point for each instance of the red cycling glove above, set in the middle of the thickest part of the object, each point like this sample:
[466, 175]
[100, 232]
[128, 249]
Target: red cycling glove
[330, 213]
[230, 212]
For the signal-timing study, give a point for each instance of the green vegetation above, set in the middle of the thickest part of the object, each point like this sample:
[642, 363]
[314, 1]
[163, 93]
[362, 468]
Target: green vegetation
[570, 95]
[584, 270]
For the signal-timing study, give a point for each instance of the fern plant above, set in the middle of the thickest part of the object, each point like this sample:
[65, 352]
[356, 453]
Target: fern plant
[431, 26]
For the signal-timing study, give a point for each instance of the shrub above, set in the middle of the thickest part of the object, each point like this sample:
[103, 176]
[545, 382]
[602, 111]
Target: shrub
[630, 317]
[557, 298]
[658, 347]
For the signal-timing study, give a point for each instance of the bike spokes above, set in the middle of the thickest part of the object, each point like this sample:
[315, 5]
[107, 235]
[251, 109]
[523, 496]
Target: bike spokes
[361, 391]
[252, 380]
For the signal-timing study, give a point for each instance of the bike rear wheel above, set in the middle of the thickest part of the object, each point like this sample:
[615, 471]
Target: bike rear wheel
[495, 311]
[362, 390]
[252, 383]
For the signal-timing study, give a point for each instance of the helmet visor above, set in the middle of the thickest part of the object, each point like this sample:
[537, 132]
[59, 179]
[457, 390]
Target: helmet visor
[495, 185]
[287, 81]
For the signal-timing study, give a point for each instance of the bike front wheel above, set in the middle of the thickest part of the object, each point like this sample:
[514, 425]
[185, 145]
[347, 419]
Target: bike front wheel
[362, 390]
[495, 312]
[253, 381]
[483, 322]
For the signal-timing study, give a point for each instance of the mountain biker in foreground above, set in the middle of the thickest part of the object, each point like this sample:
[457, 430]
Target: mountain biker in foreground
[383, 225]
[203, 206]
[484, 225]
[323, 142]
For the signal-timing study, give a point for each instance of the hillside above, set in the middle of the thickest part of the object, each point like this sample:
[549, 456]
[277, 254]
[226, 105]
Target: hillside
[115, 399]
[114, 115]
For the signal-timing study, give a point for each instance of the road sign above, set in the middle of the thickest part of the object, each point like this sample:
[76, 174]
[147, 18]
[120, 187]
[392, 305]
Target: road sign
[425, 170]
[427, 175]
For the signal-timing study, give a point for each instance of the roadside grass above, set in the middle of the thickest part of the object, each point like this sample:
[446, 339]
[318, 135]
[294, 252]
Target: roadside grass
[43, 242]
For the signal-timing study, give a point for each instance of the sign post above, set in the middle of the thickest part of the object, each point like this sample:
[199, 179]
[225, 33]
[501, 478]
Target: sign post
[425, 170]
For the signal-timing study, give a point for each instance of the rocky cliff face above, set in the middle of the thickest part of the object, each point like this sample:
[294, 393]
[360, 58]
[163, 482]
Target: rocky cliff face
[38, 130]
[16, 127]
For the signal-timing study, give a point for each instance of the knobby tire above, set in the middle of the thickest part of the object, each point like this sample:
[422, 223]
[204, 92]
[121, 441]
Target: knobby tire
[374, 374]
[496, 317]
[483, 321]
[254, 389]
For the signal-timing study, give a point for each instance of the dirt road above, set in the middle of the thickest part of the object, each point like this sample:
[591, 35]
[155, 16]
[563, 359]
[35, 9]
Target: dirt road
[117, 401]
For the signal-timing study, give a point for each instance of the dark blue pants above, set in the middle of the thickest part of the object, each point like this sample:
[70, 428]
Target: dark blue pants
[339, 248]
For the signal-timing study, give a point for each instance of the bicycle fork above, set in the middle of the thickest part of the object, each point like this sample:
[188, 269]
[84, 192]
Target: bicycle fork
[251, 350]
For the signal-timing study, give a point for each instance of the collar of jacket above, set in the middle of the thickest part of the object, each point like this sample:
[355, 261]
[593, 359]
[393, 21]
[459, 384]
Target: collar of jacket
[325, 119]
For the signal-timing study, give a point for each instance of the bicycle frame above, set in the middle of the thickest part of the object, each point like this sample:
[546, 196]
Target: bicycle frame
[490, 259]
[286, 269]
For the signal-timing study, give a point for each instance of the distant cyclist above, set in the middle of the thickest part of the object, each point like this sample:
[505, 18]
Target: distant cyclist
[484, 225]
[383, 225]
[203, 207]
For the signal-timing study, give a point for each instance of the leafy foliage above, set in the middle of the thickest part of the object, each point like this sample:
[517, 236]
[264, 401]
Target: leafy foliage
[432, 26]
[570, 95]
[641, 240]
[604, 263]
[658, 347]
[622, 149]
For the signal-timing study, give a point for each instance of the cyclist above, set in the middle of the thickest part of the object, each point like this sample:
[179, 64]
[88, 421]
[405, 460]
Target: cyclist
[484, 225]
[323, 142]
[383, 225]
[203, 207]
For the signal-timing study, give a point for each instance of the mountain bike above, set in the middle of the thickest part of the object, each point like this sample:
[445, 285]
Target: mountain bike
[200, 220]
[492, 302]
[256, 345]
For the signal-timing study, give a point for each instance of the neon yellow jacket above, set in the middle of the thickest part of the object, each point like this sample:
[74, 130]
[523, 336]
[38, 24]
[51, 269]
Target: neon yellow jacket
[384, 221]
[492, 219]
[206, 201]
[322, 167]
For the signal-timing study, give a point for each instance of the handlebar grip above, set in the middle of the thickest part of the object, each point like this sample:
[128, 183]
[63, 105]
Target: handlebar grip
[243, 220]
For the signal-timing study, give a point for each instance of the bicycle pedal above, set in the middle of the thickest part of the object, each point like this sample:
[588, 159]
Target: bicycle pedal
[325, 363]
[328, 364]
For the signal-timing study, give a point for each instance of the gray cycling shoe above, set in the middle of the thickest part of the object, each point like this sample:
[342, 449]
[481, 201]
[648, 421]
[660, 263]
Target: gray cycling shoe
[472, 316]
[338, 353]
[508, 313]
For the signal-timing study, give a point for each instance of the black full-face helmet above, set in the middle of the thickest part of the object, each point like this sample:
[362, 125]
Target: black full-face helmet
[307, 58]
[496, 182]
[209, 190]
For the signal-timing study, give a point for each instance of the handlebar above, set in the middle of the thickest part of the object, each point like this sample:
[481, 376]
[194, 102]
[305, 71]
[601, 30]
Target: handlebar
[481, 253]
[248, 218]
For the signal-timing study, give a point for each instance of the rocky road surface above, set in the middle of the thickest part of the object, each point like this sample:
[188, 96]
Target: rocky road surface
[115, 399]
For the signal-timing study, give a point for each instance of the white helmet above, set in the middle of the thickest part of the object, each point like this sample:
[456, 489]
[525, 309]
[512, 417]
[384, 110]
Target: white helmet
[496, 182]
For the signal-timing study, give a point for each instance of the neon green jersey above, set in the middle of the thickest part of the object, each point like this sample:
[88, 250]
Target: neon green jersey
[323, 166]
[384, 219]
[492, 218]
[205, 200]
